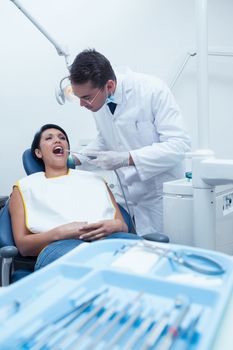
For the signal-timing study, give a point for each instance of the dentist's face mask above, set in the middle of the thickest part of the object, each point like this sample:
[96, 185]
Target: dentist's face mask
[111, 86]
[109, 99]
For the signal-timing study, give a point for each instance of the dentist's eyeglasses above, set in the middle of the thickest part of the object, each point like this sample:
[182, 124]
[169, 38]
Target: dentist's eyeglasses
[65, 92]
[89, 100]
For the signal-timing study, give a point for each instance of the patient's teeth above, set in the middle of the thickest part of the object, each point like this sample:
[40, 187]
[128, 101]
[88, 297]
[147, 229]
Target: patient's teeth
[58, 150]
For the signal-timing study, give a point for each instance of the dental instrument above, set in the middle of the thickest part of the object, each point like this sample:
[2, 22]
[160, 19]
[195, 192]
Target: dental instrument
[75, 153]
[40, 336]
[140, 331]
[192, 328]
[132, 319]
[195, 262]
[75, 328]
[174, 330]
[106, 315]
[114, 321]
[156, 331]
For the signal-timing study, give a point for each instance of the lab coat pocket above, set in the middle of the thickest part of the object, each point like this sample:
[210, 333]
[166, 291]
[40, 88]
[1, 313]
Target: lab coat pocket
[139, 133]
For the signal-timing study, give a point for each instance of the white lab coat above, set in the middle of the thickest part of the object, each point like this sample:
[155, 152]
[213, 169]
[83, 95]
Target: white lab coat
[148, 123]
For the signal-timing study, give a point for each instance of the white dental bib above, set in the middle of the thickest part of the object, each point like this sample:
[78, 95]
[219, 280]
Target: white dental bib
[51, 202]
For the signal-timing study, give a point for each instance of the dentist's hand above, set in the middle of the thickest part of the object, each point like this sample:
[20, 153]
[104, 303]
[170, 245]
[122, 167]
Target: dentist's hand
[109, 160]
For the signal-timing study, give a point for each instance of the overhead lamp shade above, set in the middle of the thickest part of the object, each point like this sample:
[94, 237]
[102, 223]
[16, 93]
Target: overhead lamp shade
[65, 92]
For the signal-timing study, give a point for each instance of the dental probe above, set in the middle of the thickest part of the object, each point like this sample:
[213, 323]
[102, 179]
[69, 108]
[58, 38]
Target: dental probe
[80, 153]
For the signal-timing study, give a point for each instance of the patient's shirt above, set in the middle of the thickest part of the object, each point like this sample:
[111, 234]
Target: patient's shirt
[77, 196]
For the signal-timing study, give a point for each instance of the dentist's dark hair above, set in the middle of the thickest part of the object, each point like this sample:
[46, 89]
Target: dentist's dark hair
[90, 65]
[37, 138]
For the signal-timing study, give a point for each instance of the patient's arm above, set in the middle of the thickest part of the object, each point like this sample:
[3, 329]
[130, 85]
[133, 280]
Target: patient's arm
[28, 243]
[101, 229]
[122, 225]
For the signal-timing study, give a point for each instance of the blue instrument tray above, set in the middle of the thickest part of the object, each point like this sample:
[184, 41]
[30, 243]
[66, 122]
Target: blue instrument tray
[132, 256]
[100, 297]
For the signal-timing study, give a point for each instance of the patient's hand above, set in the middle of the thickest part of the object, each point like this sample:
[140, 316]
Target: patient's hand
[70, 230]
[101, 229]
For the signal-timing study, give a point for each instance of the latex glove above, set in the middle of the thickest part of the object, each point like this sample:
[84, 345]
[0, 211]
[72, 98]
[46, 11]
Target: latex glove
[72, 161]
[109, 160]
[77, 158]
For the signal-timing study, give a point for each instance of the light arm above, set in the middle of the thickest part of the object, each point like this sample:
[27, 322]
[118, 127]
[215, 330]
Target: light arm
[60, 50]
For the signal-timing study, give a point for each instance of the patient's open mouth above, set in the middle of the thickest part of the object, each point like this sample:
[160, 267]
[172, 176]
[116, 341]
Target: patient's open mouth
[58, 150]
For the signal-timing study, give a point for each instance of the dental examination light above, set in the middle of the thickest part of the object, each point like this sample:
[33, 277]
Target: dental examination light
[64, 91]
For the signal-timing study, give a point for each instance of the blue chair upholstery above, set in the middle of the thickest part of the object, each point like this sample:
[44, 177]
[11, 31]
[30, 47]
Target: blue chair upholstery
[5, 238]
[22, 266]
[30, 164]
[8, 251]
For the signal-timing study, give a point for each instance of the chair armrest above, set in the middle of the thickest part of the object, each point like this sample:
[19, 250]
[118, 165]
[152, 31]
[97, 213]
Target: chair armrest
[8, 252]
[156, 237]
[3, 200]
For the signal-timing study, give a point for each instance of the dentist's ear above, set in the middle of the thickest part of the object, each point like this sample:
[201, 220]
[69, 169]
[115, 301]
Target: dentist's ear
[111, 85]
[38, 153]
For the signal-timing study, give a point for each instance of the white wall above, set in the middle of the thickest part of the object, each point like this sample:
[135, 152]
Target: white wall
[146, 35]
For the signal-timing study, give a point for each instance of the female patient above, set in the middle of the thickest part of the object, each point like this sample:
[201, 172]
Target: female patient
[61, 205]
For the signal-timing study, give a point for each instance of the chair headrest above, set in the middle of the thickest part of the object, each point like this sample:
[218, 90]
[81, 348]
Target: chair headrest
[31, 165]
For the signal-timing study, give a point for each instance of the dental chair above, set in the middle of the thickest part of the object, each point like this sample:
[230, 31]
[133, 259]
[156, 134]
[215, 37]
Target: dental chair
[13, 265]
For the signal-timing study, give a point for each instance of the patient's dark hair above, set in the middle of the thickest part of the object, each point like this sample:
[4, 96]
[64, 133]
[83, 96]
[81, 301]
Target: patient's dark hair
[90, 65]
[37, 138]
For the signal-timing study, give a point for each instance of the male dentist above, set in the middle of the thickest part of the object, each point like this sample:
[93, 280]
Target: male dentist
[140, 133]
